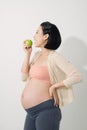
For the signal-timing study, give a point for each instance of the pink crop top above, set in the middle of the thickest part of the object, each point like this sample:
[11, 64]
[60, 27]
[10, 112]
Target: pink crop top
[39, 72]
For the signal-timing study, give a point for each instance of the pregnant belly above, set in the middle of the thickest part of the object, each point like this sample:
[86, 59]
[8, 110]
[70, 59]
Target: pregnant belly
[34, 93]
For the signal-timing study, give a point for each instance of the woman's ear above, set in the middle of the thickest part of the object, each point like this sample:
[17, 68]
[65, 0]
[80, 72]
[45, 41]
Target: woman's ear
[46, 36]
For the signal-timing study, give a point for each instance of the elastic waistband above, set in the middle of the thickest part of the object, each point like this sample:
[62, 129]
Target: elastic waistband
[48, 104]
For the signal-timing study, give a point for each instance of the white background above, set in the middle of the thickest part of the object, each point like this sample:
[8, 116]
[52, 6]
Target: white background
[19, 20]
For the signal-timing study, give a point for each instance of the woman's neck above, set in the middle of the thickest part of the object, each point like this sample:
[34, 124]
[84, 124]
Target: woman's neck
[45, 51]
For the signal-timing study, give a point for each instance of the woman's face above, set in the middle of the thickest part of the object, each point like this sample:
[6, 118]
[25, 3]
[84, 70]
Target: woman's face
[40, 39]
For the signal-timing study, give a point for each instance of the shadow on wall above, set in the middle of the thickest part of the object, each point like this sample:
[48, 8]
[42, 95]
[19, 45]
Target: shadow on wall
[75, 50]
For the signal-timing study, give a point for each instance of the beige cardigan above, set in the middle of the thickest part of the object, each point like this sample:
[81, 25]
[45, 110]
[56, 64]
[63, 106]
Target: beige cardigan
[60, 70]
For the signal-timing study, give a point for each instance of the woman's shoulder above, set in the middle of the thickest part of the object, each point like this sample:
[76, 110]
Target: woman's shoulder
[58, 57]
[56, 54]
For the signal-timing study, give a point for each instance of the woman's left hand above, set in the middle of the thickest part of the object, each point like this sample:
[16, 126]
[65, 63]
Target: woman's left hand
[53, 94]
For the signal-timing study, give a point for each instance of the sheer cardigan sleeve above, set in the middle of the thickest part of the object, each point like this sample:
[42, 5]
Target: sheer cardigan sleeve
[73, 76]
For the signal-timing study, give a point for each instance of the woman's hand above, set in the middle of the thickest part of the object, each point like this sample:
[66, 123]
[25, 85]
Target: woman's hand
[53, 94]
[27, 49]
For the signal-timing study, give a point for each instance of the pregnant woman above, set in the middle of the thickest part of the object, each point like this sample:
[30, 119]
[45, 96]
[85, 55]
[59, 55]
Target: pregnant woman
[49, 77]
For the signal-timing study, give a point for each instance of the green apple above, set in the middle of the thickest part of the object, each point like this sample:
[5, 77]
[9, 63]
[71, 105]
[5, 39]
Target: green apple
[29, 43]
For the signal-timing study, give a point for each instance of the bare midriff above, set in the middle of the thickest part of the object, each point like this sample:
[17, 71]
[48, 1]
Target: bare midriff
[35, 92]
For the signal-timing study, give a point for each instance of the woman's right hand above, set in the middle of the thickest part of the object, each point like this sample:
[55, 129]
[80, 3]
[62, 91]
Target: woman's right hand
[27, 49]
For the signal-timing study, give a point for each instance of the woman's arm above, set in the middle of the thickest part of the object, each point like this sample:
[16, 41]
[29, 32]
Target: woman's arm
[66, 69]
[73, 76]
[26, 65]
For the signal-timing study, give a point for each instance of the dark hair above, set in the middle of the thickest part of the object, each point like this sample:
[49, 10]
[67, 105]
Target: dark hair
[54, 39]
